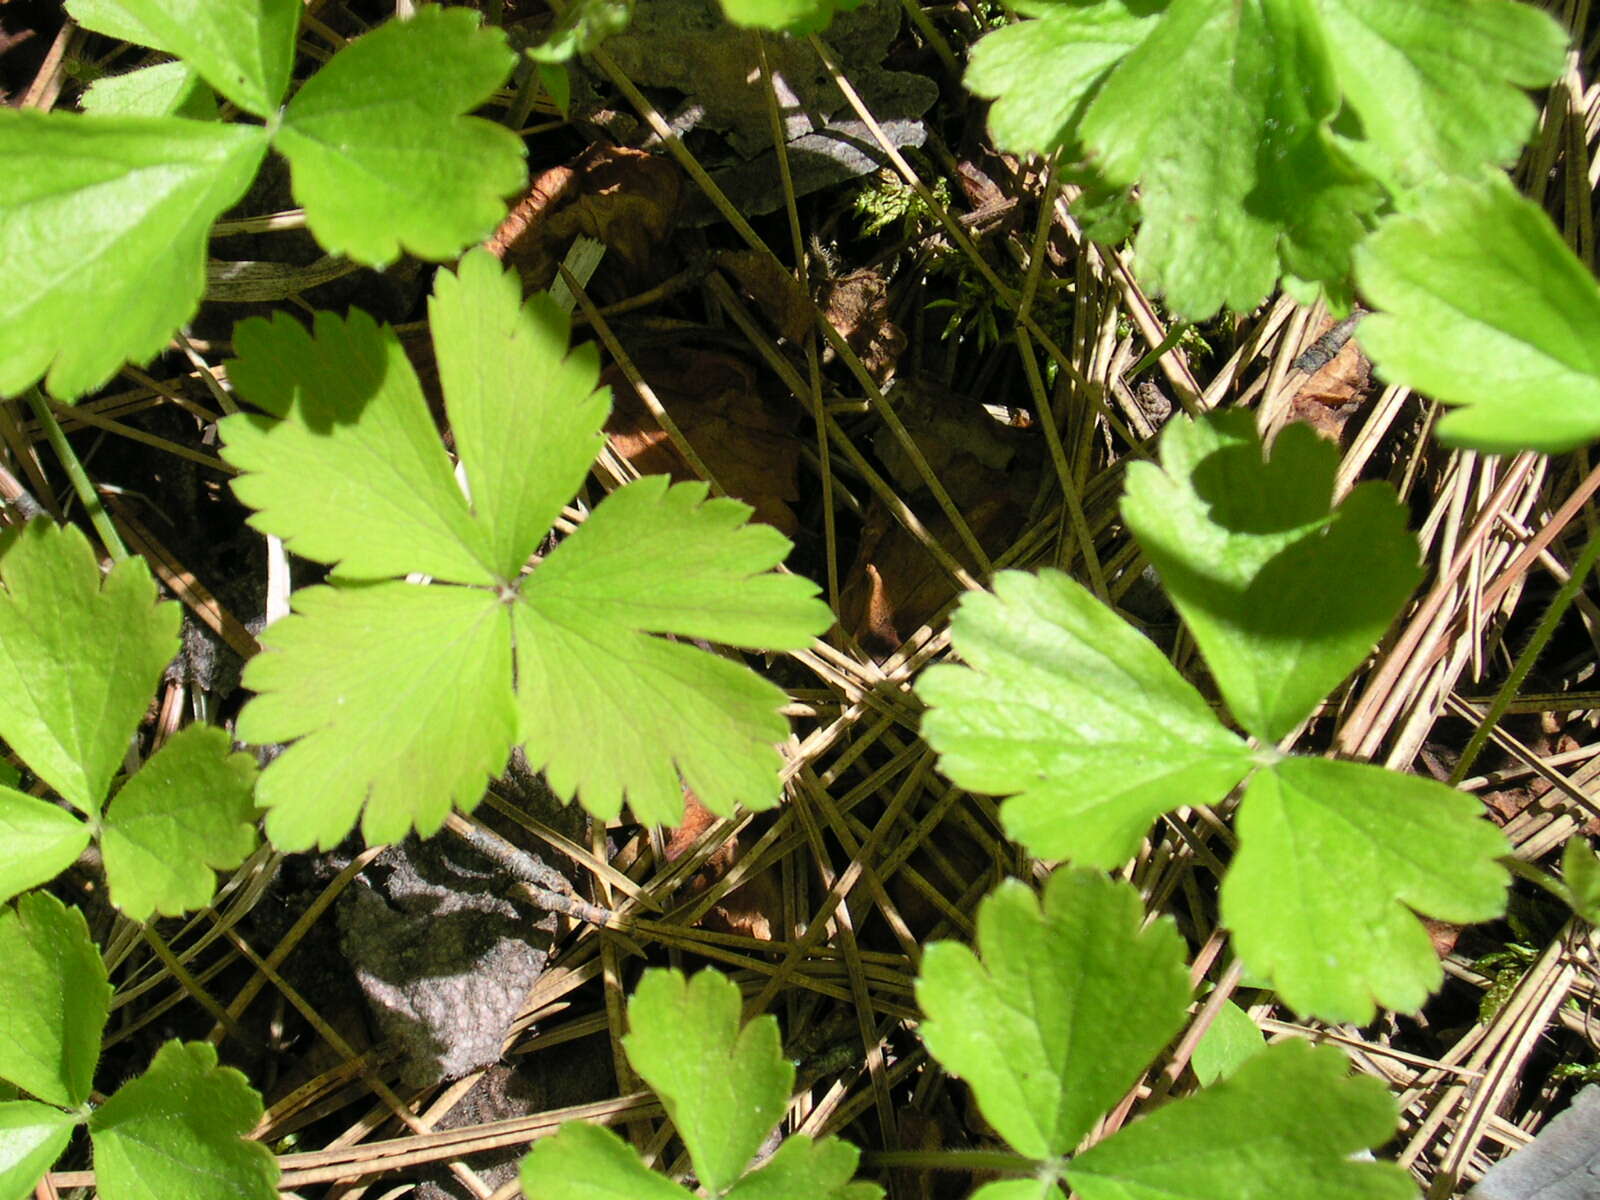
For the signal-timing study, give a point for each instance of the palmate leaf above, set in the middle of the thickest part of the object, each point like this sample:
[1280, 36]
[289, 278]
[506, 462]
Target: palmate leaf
[1070, 1003]
[104, 224]
[1282, 1127]
[725, 1087]
[53, 1000]
[1334, 860]
[1284, 593]
[1068, 707]
[402, 695]
[179, 1130]
[243, 48]
[1480, 304]
[381, 155]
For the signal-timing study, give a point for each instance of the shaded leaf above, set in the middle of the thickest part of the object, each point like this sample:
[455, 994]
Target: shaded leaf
[1284, 593]
[187, 811]
[1231, 1038]
[170, 89]
[1580, 871]
[1335, 861]
[802, 1169]
[1078, 717]
[53, 1000]
[1070, 1003]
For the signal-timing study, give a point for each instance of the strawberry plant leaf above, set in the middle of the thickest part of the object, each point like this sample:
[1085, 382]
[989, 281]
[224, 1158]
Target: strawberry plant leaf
[1480, 304]
[1436, 86]
[1228, 1041]
[489, 345]
[381, 153]
[352, 436]
[1580, 872]
[607, 708]
[53, 1000]
[1070, 711]
[1017, 1189]
[81, 657]
[627, 573]
[1074, 46]
[400, 697]
[583, 25]
[179, 1130]
[1285, 594]
[32, 1137]
[1220, 115]
[104, 221]
[1283, 1127]
[725, 1087]
[170, 89]
[802, 1169]
[37, 841]
[1070, 1003]
[1335, 858]
[589, 1162]
[187, 811]
[789, 16]
[243, 48]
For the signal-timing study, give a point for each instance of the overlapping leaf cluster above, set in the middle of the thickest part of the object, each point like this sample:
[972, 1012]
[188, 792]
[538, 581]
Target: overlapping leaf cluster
[725, 1088]
[176, 1130]
[105, 215]
[1093, 733]
[79, 659]
[1265, 136]
[401, 697]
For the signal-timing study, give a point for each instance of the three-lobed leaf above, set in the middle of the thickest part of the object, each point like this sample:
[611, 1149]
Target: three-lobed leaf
[1282, 1127]
[382, 155]
[1479, 303]
[1261, 565]
[725, 1087]
[1076, 716]
[605, 704]
[1070, 1002]
[1335, 858]
[179, 1130]
[53, 1000]
[104, 221]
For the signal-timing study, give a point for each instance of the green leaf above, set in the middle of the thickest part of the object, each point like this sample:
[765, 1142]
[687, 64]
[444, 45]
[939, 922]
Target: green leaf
[354, 438]
[383, 158]
[53, 1000]
[112, 18]
[490, 346]
[1078, 717]
[1480, 304]
[1068, 1006]
[32, 1137]
[1282, 1128]
[589, 1162]
[37, 841]
[1017, 1189]
[243, 48]
[1580, 871]
[1436, 86]
[400, 697]
[1284, 593]
[582, 26]
[186, 812]
[1231, 1038]
[724, 1087]
[1074, 46]
[79, 657]
[1220, 115]
[1335, 859]
[607, 709]
[170, 89]
[179, 1130]
[104, 222]
[802, 1169]
[789, 16]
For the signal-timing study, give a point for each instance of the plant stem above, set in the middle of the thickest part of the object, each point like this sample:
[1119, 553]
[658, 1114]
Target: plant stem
[81, 484]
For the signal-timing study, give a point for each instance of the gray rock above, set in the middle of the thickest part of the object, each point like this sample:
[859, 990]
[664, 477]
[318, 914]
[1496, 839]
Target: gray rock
[1562, 1163]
